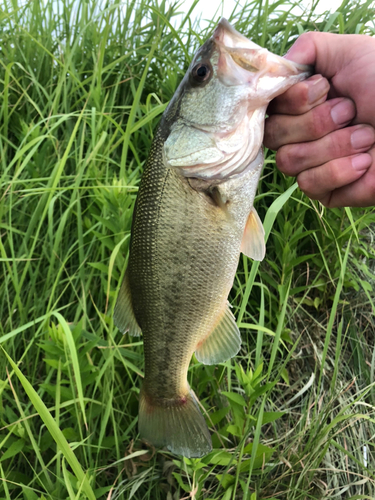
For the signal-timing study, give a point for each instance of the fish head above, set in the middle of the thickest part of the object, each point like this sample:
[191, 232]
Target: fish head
[242, 62]
[217, 114]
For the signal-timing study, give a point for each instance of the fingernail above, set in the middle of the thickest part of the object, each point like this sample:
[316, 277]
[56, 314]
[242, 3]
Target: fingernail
[361, 162]
[362, 137]
[317, 89]
[343, 112]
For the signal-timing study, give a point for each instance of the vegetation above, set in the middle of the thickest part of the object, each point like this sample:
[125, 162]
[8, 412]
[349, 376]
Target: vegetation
[82, 86]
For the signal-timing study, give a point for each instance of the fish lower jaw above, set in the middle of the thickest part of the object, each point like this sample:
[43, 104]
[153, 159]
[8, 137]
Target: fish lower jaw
[230, 154]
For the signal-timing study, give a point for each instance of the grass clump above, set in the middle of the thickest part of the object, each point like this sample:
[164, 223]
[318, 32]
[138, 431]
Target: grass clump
[82, 85]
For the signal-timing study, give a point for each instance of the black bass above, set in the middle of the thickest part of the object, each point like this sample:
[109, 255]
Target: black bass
[194, 215]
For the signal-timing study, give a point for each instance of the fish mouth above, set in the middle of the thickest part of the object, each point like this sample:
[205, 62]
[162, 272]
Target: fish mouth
[242, 61]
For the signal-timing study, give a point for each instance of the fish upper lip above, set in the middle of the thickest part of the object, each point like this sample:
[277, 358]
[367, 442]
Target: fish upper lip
[234, 38]
[253, 56]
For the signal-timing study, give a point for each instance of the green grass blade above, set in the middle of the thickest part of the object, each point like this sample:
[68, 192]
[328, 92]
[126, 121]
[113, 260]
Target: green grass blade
[75, 363]
[51, 425]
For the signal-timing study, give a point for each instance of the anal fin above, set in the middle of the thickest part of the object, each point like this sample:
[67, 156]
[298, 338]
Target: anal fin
[253, 244]
[223, 343]
[123, 315]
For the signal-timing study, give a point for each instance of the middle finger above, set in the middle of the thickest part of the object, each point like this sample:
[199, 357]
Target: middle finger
[316, 123]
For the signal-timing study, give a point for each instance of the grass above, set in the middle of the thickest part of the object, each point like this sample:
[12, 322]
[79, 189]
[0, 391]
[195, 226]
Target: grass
[82, 86]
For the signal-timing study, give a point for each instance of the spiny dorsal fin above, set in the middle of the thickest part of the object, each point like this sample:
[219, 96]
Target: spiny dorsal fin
[223, 343]
[123, 316]
[253, 244]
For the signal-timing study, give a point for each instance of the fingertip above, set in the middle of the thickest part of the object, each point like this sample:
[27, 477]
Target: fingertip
[303, 50]
[343, 111]
[317, 89]
[350, 175]
[361, 162]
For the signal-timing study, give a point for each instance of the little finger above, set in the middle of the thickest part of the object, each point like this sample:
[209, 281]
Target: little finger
[318, 182]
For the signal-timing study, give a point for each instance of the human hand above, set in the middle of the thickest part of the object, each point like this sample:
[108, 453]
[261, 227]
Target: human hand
[324, 128]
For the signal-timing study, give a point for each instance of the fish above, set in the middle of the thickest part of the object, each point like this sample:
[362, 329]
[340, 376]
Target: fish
[193, 217]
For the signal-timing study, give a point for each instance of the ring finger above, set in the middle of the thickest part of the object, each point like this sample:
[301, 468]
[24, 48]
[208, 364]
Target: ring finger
[294, 158]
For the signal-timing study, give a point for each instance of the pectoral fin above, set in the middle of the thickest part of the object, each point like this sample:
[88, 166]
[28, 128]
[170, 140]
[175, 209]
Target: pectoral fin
[253, 244]
[123, 316]
[223, 343]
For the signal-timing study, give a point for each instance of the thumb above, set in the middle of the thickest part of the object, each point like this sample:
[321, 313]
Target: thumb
[322, 50]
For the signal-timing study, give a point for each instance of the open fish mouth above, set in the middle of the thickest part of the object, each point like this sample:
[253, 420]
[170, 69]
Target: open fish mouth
[242, 61]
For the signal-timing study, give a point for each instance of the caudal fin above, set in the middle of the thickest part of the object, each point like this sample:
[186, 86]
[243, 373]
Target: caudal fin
[177, 424]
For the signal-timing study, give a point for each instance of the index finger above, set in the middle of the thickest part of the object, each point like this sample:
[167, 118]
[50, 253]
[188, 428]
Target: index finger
[301, 97]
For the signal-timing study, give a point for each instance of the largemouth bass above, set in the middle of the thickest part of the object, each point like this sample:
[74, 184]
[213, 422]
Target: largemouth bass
[194, 215]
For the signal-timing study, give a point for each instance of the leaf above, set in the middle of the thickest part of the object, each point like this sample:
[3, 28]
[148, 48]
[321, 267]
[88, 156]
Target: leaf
[235, 430]
[258, 371]
[235, 397]
[366, 285]
[228, 493]
[13, 449]
[317, 303]
[271, 416]
[75, 363]
[52, 362]
[70, 434]
[225, 480]
[262, 448]
[285, 375]
[29, 494]
[100, 267]
[218, 415]
[219, 458]
[263, 455]
[180, 482]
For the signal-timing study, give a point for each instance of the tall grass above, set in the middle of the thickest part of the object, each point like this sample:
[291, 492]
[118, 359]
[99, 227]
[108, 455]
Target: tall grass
[82, 86]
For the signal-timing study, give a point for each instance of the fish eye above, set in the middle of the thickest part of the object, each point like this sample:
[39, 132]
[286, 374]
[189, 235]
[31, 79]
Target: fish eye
[201, 72]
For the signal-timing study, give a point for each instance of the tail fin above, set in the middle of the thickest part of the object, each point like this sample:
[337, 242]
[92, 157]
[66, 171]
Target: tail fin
[177, 424]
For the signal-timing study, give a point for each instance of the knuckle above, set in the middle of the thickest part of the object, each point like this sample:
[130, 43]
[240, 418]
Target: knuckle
[304, 182]
[317, 125]
[269, 133]
[326, 200]
[284, 160]
[310, 183]
[291, 158]
[335, 147]
[275, 134]
[334, 173]
[296, 99]
[303, 97]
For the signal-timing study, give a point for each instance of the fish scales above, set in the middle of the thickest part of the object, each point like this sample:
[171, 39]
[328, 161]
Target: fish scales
[167, 304]
[194, 215]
